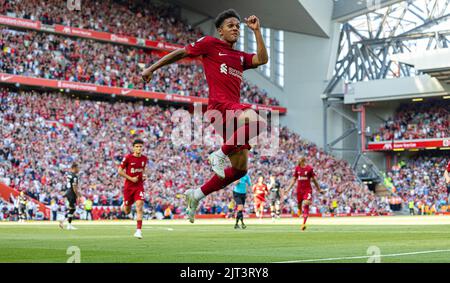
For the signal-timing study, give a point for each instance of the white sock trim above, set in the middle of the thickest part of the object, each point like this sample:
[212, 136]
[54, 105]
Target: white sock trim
[198, 194]
[220, 153]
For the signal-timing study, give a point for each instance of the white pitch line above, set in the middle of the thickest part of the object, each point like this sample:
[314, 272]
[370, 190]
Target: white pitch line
[366, 256]
[158, 228]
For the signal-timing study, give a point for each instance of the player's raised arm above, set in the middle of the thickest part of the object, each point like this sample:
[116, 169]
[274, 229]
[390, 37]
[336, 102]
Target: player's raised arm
[261, 57]
[170, 58]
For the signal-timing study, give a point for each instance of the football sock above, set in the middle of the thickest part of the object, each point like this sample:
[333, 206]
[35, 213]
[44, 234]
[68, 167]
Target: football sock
[198, 194]
[306, 213]
[221, 154]
[247, 131]
[69, 215]
[139, 224]
[216, 183]
[241, 216]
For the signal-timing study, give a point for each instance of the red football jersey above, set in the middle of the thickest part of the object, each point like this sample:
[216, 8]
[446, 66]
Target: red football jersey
[260, 190]
[224, 67]
[304, 176]
[448, 167]
[134, 167]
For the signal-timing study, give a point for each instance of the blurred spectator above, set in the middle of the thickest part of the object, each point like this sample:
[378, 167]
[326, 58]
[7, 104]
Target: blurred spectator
[54, 209]
[168, 213]
[88, 208]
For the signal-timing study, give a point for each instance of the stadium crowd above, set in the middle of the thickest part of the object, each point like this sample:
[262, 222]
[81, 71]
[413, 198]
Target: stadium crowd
[88, 61]
[420, 180]
[151, 20]
[417, 121]
[43, 133]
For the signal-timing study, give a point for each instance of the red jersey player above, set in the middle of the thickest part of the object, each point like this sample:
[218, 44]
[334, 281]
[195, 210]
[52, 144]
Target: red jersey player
[447, 180]
[304, 174]
[260, 191]
[132, 169]
[224, 68]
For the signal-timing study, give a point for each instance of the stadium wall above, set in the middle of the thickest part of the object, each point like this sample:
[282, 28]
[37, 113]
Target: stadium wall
[321, 12]
[374, 114]
[335, 123]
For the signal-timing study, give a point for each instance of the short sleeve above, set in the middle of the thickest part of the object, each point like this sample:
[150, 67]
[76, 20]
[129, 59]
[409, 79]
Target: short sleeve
[295, 173]
[124, 162]
[448, 167]
[248, 60]
[198, 48]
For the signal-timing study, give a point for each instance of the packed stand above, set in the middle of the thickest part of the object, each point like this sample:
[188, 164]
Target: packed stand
[150, 20]
[8, 211]
[417, 121]
[88, 61]
[144, 19]
[421, 180]
[43, 133]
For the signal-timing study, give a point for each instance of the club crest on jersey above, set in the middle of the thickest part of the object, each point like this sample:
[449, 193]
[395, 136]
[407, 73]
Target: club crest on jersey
[224, 68]
[242, 60]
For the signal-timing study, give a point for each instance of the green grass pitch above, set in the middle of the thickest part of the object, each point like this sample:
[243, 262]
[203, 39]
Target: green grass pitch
[217, 241]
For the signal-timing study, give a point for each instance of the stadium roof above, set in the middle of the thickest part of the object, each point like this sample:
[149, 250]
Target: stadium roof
[300, 16]
[345, 10]
[435, 62]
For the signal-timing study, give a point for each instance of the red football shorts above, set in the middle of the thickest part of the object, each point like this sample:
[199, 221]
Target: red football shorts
[132, 194]
[259, 201]
[228, 125]
[304, 195]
